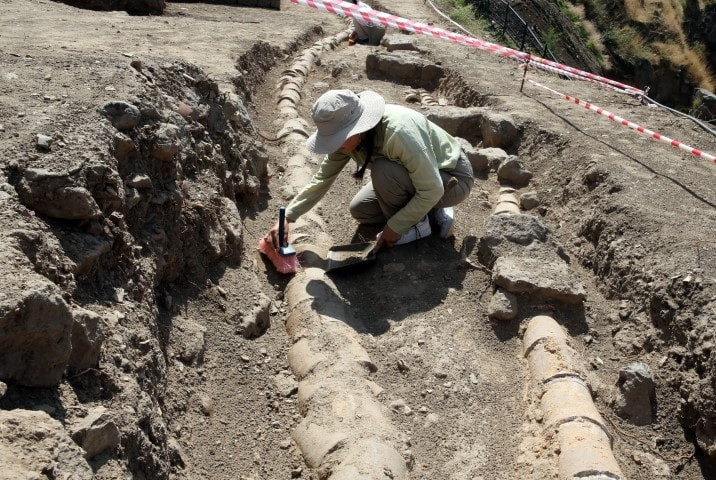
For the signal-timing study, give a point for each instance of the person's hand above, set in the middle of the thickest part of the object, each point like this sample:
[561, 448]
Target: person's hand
[387, 237]
[272, 235]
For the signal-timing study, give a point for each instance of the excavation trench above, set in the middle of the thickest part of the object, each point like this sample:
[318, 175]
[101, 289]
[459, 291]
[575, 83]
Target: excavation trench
[346, 409]
[422, 364]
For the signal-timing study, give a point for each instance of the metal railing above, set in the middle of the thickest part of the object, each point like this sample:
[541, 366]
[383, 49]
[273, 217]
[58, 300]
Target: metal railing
[510, 24]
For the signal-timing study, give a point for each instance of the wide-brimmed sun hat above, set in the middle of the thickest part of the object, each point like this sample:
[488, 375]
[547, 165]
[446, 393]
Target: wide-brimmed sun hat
[339, 114]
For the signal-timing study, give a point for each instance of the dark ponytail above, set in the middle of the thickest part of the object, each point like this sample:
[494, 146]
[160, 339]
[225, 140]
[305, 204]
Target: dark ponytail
[366, 147]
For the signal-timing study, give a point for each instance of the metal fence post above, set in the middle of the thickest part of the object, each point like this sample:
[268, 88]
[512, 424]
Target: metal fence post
[524, 36]
[507, 12]
[524, 74]
[535, 40]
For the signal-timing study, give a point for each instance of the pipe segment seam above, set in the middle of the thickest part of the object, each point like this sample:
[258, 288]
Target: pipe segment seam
[585, 441]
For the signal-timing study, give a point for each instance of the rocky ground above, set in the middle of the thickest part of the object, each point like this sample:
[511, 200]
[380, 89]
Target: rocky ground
[143, 336]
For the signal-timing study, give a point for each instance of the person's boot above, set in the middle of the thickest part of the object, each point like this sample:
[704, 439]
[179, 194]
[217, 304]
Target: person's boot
[419, 230]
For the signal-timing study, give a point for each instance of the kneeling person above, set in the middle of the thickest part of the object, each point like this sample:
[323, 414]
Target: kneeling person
[416, 167]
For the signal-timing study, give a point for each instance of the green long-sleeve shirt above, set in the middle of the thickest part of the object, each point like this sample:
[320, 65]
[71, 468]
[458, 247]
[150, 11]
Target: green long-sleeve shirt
[403, 136]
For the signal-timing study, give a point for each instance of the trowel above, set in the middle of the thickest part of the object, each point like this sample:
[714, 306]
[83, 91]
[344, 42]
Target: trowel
[348, 257]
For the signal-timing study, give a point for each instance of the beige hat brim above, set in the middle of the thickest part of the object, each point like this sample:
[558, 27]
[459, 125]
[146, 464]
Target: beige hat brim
[373, 108]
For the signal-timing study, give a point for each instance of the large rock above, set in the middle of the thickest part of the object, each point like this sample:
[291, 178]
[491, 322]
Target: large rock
[636, 395]
[123, 115]
[529, 200]
[492, 156]
[510, 233]
[503, 305]
[512, 172]
[167, 142]
[475, 123]
[230, 219]
[459, 122]
[499, 130]
[35, 329]
[85, 250]
[551, 280]
[34, 446]
[407, 68]
[706, 97]
[96, 432]
[57, 195]
[478, 162]
[399, 42]
[87, 337]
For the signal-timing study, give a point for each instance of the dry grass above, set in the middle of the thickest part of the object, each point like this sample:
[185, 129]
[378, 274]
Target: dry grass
[663, 17]
[685, 57]
[595, 37]
[630, 44]
[669, 13]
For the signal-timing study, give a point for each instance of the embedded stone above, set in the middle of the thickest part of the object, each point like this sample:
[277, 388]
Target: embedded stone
[96, 432]
[499, 130]
[33, 444]
[503, 305]
[87, 337]
[123, 115]
[535, 276]
[637, 394]
[57, 195]
[35, 330]
[512, 171]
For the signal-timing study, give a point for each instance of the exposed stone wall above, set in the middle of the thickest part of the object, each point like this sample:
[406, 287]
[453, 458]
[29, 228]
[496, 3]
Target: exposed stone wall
[275, 4]
[134, 7]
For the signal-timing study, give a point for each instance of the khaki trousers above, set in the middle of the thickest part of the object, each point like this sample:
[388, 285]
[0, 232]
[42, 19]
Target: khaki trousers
[390, 189]
[364, 32]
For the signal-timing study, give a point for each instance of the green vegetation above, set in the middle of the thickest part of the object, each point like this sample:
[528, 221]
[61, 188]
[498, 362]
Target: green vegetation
[628, 44]
[595, 51]
[567, 12]
[463, 13]
[551, 38]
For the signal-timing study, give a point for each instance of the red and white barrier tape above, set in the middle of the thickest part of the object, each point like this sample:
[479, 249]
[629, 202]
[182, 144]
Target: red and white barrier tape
[577, 77]
[374, 16]
[627, 123]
